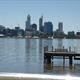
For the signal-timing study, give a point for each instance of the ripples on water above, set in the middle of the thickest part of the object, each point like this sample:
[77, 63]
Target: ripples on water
[26, 55]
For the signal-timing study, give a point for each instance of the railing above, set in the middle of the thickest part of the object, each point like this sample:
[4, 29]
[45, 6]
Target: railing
[77, 49]
[69, 49]
[20, 76]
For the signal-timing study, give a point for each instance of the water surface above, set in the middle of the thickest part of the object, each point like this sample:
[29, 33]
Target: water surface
[27, 56]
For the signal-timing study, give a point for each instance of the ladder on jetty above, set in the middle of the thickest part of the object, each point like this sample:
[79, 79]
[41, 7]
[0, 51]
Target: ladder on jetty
[48, 55]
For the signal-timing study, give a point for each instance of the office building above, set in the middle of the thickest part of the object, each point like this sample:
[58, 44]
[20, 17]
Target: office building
[60, 27]
[34, 27]
[2, 27]
[28, 23]
[48, 28]
[41, 24]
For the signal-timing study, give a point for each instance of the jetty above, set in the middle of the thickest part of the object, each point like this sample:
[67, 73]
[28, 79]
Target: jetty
[64, 53]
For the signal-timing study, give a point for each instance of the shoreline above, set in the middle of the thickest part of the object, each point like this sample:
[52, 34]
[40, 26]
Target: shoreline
[37, 38]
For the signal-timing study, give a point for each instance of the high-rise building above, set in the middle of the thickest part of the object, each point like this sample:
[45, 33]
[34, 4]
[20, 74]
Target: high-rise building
[48, 28]
[28, 22]
[60, 27]
[41, 24]
[34, 27]
[2, 27]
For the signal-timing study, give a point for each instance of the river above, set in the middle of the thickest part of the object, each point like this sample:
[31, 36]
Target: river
[27, 56]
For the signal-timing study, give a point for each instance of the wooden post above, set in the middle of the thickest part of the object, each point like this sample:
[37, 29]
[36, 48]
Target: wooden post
[52, 48]
[70, 61]
[46, 48]
[63, 61]
[63, 47]
[49, 59]
[69, 48]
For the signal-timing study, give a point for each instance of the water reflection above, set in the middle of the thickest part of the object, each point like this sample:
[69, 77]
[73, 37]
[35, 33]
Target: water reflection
[26, 55]
[51, 68]
[77, 67]
[40, 50]
[31, 50]
[48, 43]
[48, 67]
[40, 45]
[27, 45]
[60, 43]
[33, 56]
[27, 50]
[57, 65]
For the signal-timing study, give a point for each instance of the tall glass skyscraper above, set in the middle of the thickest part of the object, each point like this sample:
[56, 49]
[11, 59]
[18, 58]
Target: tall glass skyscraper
[28, 22]
[48, 28]
[41, 24]
[60, 26]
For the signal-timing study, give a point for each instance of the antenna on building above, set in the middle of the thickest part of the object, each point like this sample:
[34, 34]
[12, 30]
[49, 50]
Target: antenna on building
[18, 25]
[42, 15]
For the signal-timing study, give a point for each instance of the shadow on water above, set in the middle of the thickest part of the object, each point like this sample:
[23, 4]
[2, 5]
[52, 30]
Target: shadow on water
[51, 68]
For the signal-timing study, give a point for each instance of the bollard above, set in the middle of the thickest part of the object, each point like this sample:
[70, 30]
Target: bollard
[70, 61]
[49, 59]
[63, 47]
[52, 48]
[69, 48]
[46, 48]
[63, 61]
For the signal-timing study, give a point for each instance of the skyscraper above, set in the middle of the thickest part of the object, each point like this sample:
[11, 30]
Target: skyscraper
[60, 27]
[28, 22]
[48, 28]
[41, 24]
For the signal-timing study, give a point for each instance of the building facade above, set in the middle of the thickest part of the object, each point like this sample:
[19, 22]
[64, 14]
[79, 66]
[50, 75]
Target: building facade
[34, 27]
[60, 27]
[28, 23]
[41, 24]
[48, 28]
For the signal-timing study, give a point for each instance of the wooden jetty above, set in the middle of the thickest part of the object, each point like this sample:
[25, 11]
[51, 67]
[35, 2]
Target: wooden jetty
[48, 55]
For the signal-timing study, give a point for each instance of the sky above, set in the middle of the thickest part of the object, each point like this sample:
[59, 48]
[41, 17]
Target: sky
[14, 13]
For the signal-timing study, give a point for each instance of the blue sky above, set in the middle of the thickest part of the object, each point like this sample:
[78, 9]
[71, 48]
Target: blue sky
[14, 12]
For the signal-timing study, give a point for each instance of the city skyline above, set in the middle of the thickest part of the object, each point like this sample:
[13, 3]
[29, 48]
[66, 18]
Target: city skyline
[15, 12]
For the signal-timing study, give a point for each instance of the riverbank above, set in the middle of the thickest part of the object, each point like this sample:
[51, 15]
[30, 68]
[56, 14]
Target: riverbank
[39, 37]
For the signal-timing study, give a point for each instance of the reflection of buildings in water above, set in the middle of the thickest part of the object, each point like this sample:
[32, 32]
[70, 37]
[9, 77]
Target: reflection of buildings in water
[32, 50]
[27, 50]
[40, 51]
[27, 45]
[49, 43]
[30, 47]
[40, 45]
[60, 44]
[31, 55]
